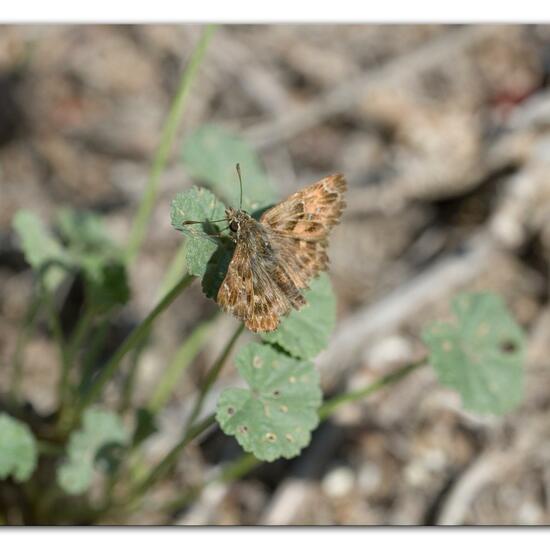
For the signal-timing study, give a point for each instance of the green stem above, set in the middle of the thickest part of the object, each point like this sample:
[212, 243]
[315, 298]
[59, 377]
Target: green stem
[57, 331]
[170, 377]
[212, 376]
[181, 360]
[48, 448]
[349, 397]
[175, 269]
[234, 470]
[91, 357]
[23, 335]
[79, 333]
[131, 376]
[168, 136]
[131, 341]
[165, 465]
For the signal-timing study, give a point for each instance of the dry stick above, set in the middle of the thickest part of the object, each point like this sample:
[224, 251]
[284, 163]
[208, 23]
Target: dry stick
[343, 97]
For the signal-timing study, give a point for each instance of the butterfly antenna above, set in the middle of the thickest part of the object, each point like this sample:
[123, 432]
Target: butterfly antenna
[241, 184]
[204, 221]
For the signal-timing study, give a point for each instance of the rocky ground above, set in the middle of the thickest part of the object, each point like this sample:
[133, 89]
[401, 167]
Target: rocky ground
[443, 133]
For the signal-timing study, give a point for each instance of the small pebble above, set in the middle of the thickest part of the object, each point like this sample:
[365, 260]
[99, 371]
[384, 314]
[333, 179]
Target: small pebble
[338, 482]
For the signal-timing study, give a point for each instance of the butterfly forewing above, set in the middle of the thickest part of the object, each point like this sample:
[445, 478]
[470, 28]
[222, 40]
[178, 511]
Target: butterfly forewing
[277, 256]
[310, 213]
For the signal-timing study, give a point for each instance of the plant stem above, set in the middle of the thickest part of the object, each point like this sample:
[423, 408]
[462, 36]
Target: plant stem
[48, 448]
[128, 387]
[181, 360]
[91, 357]
[175, 269]
[79, 333]
[234, 470]
[57, 331]
[212, 375]
[337, 401]
[164, 466]
[131, 341]
[23, 335]
[168, 136]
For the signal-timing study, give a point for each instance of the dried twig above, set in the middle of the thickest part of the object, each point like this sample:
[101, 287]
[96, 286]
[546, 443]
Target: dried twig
[344, 96]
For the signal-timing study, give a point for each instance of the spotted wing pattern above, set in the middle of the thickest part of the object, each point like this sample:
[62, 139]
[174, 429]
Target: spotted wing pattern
[277, 257]
[256, 291]
[300, 226]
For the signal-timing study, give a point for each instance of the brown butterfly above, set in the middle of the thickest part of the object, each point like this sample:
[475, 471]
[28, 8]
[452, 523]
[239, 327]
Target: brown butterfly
[277, 256]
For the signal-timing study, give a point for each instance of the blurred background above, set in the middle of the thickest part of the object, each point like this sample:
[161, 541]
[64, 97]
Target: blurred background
[443, 134]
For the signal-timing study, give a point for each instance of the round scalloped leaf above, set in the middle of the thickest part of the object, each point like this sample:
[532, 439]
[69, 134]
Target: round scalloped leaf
[481, 355]
[17, 449]
[40, 247]
[99, 429]
[275, 417]
[198, 204]
[306, 332]
[210, 154]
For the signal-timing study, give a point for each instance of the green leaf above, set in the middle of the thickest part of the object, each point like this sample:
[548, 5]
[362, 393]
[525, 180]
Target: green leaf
[41, 249]
[100, 429]
[481, 355]
[99, 258]
[275, 417]
[211, 153]
[306, 332]
[17, 449]
[84, 231]
[146, 426]
[106, 282]
[199, 204]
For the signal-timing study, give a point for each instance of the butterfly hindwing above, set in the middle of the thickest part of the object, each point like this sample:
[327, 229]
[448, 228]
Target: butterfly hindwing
[255, 290]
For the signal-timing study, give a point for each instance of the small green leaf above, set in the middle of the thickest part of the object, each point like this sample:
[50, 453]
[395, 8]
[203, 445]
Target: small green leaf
[146, 426]
[306, 332]
[106, 281]
[84, 231]
[100, 428]
[480, 356]
[99, 258]
[198, 204]
[17, 449]
[42, 250]
[275, 417]
[211, 153]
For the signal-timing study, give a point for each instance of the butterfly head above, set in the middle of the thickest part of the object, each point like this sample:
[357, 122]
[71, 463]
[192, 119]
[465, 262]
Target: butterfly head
[236, 219]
